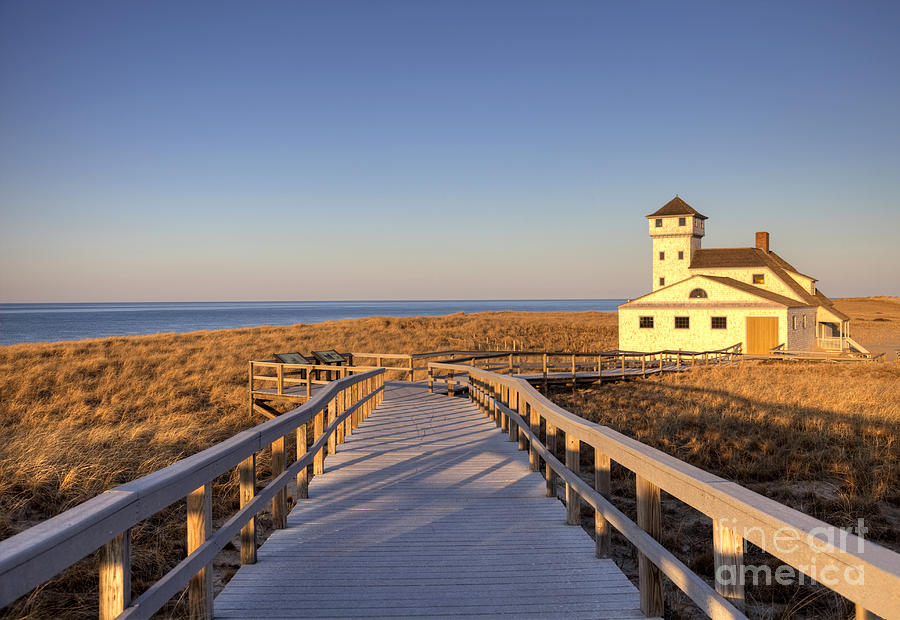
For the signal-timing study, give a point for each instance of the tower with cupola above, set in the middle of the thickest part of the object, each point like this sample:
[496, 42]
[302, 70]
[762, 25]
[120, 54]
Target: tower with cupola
[676, 229]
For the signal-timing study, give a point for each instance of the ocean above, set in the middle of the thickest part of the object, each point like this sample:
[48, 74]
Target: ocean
[55, 322]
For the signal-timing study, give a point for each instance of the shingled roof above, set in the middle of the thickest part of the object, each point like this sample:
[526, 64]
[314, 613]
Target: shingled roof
[755, 290]
[712, 258]
[737, 257]
[677, 206]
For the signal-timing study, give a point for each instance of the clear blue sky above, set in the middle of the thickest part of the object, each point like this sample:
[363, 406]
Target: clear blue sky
[416, 150]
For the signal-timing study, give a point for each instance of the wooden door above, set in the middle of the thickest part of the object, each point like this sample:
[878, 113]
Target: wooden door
[762, 334]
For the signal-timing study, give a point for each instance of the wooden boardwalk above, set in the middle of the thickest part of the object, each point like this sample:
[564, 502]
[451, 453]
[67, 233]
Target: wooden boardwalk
[428, 510]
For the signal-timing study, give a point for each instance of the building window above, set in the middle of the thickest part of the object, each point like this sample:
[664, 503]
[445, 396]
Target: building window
[698, 293]
[662, 256]
[759, 278]
[680, 255]
[682, 221]
[719, 322]
[682, 322]
[804, 321]
[794, 322]
[662, 281]
[659, 222]
[646, 322]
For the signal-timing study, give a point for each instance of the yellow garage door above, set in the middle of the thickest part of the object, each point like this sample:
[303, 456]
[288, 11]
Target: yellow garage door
[762, 334]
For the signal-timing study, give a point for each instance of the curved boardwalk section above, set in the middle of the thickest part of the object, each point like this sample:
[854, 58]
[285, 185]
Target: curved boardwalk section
[427, 510]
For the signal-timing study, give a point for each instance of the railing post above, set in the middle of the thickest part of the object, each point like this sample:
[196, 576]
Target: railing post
[519, 407]
[602, 486]
[199, 529]
[513, 426]
[337, 434]
[303, 474]
[490, 403]
[279, 374]
[412, 369]
[279, 502]
[430, 380]
[600, 369]
[354, 398]
[251, 389]
[573, 463]
[728, 554]
[648, 519]
[549, 474]
[545, 373]
[534, 422]
[623, 365]
[247, 477]
[319, 458]
[115, 576]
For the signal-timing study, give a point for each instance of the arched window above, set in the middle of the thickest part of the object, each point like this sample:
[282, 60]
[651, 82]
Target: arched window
[698, 293]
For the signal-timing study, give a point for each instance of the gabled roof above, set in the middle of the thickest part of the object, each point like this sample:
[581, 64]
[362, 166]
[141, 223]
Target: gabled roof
[755, 290]
[736, 284]
[829, 305]
[756, 257]
[710, 258]
[677, 206]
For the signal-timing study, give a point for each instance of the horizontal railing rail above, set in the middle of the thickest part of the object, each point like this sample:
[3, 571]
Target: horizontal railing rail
[30, 558]
[519, 362]
[831, 342]
[863, 572]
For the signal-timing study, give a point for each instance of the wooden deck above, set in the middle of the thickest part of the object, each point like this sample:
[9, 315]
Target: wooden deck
[428, 510]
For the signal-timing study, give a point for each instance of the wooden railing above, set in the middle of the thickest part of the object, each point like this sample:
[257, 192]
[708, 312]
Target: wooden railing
[411, 365]
[831, 342]
[32, 557]
[546, 363]
[869, 575]
[281, 376]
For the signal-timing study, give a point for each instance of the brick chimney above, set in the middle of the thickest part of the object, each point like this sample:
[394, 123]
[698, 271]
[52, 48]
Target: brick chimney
[762, 241]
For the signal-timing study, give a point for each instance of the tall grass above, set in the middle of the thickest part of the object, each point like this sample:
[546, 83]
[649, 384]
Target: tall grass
[81, 417]
[821, 438]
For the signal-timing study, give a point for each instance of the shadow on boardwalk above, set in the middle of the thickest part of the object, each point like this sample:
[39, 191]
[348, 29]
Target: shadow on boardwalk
[427, 510]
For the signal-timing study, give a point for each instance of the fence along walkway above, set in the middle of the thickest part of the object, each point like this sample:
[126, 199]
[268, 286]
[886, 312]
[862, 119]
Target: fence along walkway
[428, 510]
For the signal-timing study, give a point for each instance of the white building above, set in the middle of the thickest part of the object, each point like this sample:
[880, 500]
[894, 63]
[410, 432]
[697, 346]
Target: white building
[707, 299]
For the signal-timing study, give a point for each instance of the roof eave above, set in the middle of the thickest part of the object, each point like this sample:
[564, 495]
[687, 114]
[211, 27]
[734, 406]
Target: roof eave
[697, 215]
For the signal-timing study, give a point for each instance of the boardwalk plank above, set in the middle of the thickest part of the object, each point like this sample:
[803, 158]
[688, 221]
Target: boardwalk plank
[428, 511]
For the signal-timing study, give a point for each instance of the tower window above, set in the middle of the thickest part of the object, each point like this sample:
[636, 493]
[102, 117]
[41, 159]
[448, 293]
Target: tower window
[698, 293]
[646, 322]
[662, 281]
[682, 221]
[680, 255]
[759, 278]
[804, 321]
[682, 322]
[662, 256]
[719, 322]
[659, 222]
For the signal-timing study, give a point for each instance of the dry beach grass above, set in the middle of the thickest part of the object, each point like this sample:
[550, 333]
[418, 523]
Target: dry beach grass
[821, 438]
[80, 417]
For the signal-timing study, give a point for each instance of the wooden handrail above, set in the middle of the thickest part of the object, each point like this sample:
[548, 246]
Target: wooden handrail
[32, 557]
[792, 536]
